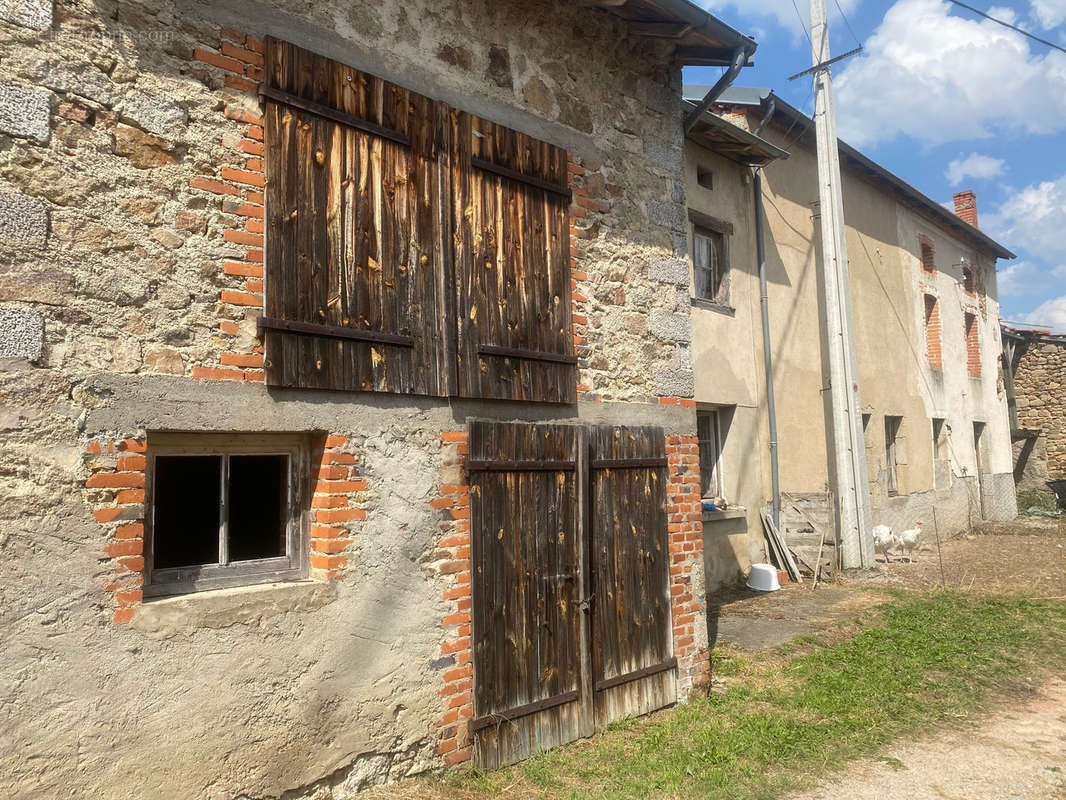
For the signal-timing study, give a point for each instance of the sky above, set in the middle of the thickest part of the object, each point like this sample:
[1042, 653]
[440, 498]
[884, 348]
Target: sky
[947, 101]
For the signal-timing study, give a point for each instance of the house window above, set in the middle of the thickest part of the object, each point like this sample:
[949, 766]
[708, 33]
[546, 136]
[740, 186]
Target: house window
[705, 178]
[892, 428]
[978, 449]
[709, 264]
[932, 331]
[225, 511]
[941, 460]
[712, 425]
[973, 345]
[967, 279]
[928, 255]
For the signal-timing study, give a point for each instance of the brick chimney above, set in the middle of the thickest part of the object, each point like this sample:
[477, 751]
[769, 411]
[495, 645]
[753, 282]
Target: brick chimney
[966, 206]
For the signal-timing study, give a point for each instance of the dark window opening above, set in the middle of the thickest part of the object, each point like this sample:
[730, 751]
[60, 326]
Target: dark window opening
[967, 279]
[187, 510]
[705, 178]
[258, 486]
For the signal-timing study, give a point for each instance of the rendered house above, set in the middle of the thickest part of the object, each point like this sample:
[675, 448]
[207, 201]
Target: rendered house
[926, 322]
[340, 445]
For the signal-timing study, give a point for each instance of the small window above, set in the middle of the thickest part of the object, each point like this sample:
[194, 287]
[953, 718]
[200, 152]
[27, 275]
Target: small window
[941, 460]
[708, 260]
[892, 427]
[712, 426]
[978, 446]
[224, 512]
[928, 255]
[967, 279]
[705, 178]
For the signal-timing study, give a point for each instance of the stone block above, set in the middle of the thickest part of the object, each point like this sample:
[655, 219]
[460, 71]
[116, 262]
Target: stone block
[668, 214]
[24, 112]
[669, 270]
[672, 327]
[150, 113]
[668, 157]
[23, 219]
[674, 383]
[21, 333]
[33, 14]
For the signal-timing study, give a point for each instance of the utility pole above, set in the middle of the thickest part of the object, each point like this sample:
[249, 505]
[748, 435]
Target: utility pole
[848, 446]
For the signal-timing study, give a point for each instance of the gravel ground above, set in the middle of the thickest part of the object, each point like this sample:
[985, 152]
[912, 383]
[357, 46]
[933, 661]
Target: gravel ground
[1017, 752]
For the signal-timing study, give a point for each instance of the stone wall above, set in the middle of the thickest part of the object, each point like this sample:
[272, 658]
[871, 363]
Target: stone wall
[129, 284]
[1040, 389]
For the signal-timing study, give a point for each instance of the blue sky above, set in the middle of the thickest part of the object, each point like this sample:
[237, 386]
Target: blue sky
[947, 101]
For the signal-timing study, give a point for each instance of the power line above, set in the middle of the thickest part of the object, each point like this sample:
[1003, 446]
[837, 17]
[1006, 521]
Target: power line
[844, 17]
[1008, 25]
[803, 25]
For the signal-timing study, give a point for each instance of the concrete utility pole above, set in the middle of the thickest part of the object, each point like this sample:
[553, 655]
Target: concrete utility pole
[848, 446]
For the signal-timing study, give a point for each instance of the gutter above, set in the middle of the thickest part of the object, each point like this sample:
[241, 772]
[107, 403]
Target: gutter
[740, 57]
[768, 362]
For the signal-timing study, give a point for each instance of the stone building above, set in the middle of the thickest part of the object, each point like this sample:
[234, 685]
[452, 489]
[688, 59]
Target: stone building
[274, 275]
[926, 324]
[1034, 364]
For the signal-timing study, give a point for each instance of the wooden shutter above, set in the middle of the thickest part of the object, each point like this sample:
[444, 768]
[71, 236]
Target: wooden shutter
[527, 562]
[510, 205]
[633, 669]
[354, 257]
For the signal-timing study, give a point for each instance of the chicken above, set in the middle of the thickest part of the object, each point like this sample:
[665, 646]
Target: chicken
[911, 540]
[884, 540]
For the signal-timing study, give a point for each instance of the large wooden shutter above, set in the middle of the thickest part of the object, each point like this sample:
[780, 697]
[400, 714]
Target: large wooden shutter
[632, 661]
[353, 243]
[510, 205]
[527, 561]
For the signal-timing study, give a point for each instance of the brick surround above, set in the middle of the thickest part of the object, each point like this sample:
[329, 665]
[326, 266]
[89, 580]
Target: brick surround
[685, 521]
[973, 344]
[115, 491]
[452, 565]
[932, 332]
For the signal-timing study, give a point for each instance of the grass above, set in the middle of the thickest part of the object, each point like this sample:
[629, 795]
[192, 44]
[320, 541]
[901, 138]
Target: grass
[796, 712]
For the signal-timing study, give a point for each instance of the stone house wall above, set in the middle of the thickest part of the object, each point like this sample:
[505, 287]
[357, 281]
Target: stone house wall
[1039, 381]
[130, 278]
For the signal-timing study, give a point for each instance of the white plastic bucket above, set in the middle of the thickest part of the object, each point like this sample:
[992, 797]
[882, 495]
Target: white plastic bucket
[763, 578]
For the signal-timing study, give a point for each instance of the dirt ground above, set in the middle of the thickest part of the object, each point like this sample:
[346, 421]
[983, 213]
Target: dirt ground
[1026, 555]
[1017, 751]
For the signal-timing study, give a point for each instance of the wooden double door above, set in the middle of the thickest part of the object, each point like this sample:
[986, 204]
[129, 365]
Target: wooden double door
[570, 572]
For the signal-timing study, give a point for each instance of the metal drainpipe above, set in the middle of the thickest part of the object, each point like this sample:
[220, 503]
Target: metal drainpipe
[740, 58]
[771, 409]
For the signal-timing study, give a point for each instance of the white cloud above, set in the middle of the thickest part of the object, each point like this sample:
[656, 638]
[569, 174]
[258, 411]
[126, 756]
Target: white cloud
[1034, 219]
[1051, 314]
[1024, 279]
[974, 165]
[937, 77]
[1049, 13]
[778, 11]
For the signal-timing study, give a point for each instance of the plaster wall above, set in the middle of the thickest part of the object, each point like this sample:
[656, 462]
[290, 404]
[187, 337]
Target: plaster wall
[305, 690]
[887, 293]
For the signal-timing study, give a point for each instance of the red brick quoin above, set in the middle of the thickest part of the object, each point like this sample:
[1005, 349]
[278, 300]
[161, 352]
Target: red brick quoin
[452, 564]
[338, 506]
[238, 188]
[685, 526]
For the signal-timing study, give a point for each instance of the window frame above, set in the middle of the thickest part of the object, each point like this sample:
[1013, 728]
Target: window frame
[717, 442]
[293, 565]
[715, 230]
[894, 424]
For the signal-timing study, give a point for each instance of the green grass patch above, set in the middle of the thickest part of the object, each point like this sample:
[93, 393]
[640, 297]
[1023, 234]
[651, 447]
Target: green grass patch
[923, 661]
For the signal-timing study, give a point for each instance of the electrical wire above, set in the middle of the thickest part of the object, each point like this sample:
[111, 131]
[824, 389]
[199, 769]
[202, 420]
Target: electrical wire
[1007, 25]
[803, 25]
[847, 24]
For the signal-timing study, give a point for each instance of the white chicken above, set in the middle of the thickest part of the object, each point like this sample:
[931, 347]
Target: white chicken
[884, 540]
[911, 540]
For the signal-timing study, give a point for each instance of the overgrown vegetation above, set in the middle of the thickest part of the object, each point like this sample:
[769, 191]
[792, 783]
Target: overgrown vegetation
[1038, 499]
[792, 714]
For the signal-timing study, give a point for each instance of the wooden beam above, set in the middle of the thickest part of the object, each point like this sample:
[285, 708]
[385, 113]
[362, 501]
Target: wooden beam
[500, 717]
[660, 30]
